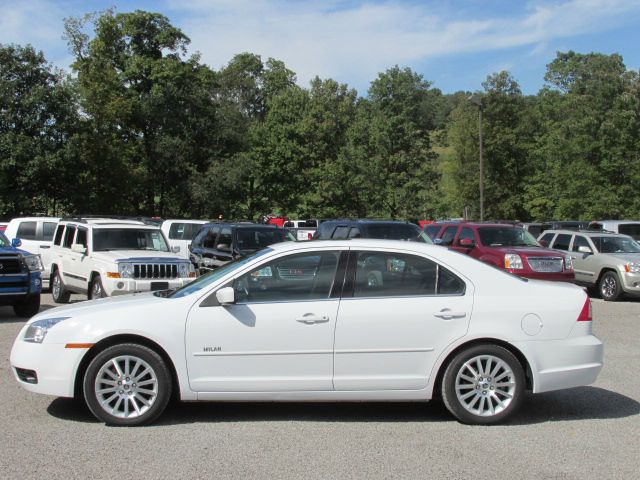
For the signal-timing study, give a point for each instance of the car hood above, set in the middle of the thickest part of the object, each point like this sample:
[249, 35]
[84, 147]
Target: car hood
[621, 257]
[102, 305]
[137, 255]
[14, 251]
[529, 251]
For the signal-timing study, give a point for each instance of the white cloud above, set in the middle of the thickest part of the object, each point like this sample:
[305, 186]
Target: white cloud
[353, 42]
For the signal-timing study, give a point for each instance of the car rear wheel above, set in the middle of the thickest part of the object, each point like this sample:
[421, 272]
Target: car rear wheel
[127, 385]
[483, 385]
[58, 290]
[610, 286]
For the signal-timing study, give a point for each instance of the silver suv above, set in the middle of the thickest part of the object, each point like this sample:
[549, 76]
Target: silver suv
[606, 263]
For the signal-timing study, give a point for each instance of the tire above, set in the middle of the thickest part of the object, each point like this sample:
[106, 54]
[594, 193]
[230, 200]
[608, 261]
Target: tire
[487, 401]
[126, 403]
[96, 290]
[59, 293]
[609, 287]
[28, 308]
[593, 291]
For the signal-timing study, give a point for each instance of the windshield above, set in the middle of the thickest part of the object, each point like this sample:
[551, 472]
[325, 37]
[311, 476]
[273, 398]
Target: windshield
[105, 239]
[397, 232]
[616, 245]
[215, 275]
[251, 240]
[4, 241]
[506, 237]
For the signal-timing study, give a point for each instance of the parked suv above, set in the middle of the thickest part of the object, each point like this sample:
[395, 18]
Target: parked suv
[20, 278]
[379, 229]
[102, 257]
[36, 235]
[606, 263]
[626, 227]
[218, 243]
[180, 233]
[508, 247]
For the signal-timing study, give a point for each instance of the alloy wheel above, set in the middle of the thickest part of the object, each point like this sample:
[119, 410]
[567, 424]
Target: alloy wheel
[485, 385]
[126, 387]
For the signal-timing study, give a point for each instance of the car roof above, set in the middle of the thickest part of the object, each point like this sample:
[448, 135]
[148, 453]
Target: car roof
[367, 221]
[185, 220]
[33, 219]
[616, 222]
[588, 233]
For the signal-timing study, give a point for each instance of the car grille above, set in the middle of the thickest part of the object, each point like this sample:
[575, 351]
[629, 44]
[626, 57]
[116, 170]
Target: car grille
[155, 270]
[10, 266]
[545, 264]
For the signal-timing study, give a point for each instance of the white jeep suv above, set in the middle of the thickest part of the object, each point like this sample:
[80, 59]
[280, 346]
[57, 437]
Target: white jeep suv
[101, 257]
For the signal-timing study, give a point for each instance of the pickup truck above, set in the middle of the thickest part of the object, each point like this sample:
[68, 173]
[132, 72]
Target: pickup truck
[302, 229]
[20, 278]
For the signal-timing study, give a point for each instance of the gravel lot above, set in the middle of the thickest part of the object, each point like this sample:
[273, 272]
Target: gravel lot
[588, 432]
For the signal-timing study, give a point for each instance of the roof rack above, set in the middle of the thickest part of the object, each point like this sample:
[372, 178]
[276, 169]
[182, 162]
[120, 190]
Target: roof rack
[83, 218]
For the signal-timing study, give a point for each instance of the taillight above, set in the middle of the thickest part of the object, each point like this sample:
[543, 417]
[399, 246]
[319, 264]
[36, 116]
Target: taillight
[585, 314]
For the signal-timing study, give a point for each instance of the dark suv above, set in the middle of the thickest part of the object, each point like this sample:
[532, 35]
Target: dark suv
[381, 229]
[506, 246]
[219, 243]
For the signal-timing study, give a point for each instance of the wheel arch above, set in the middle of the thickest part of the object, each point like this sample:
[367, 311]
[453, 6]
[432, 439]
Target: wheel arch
[119, 339]
[437, 384]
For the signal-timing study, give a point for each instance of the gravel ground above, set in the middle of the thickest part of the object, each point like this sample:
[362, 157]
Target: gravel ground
[587, 432]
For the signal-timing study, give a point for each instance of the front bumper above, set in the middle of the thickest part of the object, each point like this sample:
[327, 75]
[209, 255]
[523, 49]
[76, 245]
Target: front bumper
[559, 364]
[123, 286]
[631, 283]
[54, 365]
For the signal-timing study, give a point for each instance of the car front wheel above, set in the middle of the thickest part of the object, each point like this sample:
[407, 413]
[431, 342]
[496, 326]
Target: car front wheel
[610, 287]
[127, 385]
[97, 290]
[58, 290]
[28, 308]
[483, 385]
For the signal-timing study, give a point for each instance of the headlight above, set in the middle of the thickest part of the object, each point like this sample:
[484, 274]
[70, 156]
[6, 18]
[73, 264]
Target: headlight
[513, 261]
[125, 270]
[183, 270]
[568, 262]
[38, 330]
[34, 263]
[632, 267]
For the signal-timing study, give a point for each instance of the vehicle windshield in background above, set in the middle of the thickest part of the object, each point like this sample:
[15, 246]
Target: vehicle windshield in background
[213, 276]
[615, 245]
[105, 239]
[631, 229]
[506, 237]
[4, 241]
[397, 232]
[250, 240]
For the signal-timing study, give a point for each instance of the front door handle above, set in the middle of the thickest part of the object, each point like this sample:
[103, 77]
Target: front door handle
[310, 319]
[45, 246]
[448, 314]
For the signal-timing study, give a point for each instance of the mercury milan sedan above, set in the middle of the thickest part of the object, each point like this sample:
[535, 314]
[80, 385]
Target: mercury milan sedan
[323, 321]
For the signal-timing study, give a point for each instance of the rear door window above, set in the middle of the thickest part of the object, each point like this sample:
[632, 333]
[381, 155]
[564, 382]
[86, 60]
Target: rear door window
[68, 236]
[47, 230]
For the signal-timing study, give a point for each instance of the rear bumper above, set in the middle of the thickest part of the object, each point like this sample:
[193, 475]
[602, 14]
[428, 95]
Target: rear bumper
[560, 364]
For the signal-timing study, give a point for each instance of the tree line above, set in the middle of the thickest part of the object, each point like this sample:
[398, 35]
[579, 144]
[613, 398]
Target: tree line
[143, 128]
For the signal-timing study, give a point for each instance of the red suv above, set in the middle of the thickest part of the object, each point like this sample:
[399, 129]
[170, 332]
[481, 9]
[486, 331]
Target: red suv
[505, 246]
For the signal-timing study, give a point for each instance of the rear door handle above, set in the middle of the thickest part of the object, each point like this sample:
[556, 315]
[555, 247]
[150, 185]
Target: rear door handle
[310, 319]
[45, 246]
[447, 314]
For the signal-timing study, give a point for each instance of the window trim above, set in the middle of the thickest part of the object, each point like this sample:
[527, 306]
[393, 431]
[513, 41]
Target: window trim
[350, 280]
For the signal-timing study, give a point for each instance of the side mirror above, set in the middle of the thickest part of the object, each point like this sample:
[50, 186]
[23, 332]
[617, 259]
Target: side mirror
[175, 249]
[223, 247]
[16, 242]
[226, 296]
[584, 249]
[78, 248]
[467, 242]
[543, 243]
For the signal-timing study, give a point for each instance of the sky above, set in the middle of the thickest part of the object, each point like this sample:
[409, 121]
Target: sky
[454, 44]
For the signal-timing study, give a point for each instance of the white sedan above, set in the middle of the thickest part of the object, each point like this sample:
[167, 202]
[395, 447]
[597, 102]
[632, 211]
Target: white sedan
[320, 321]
